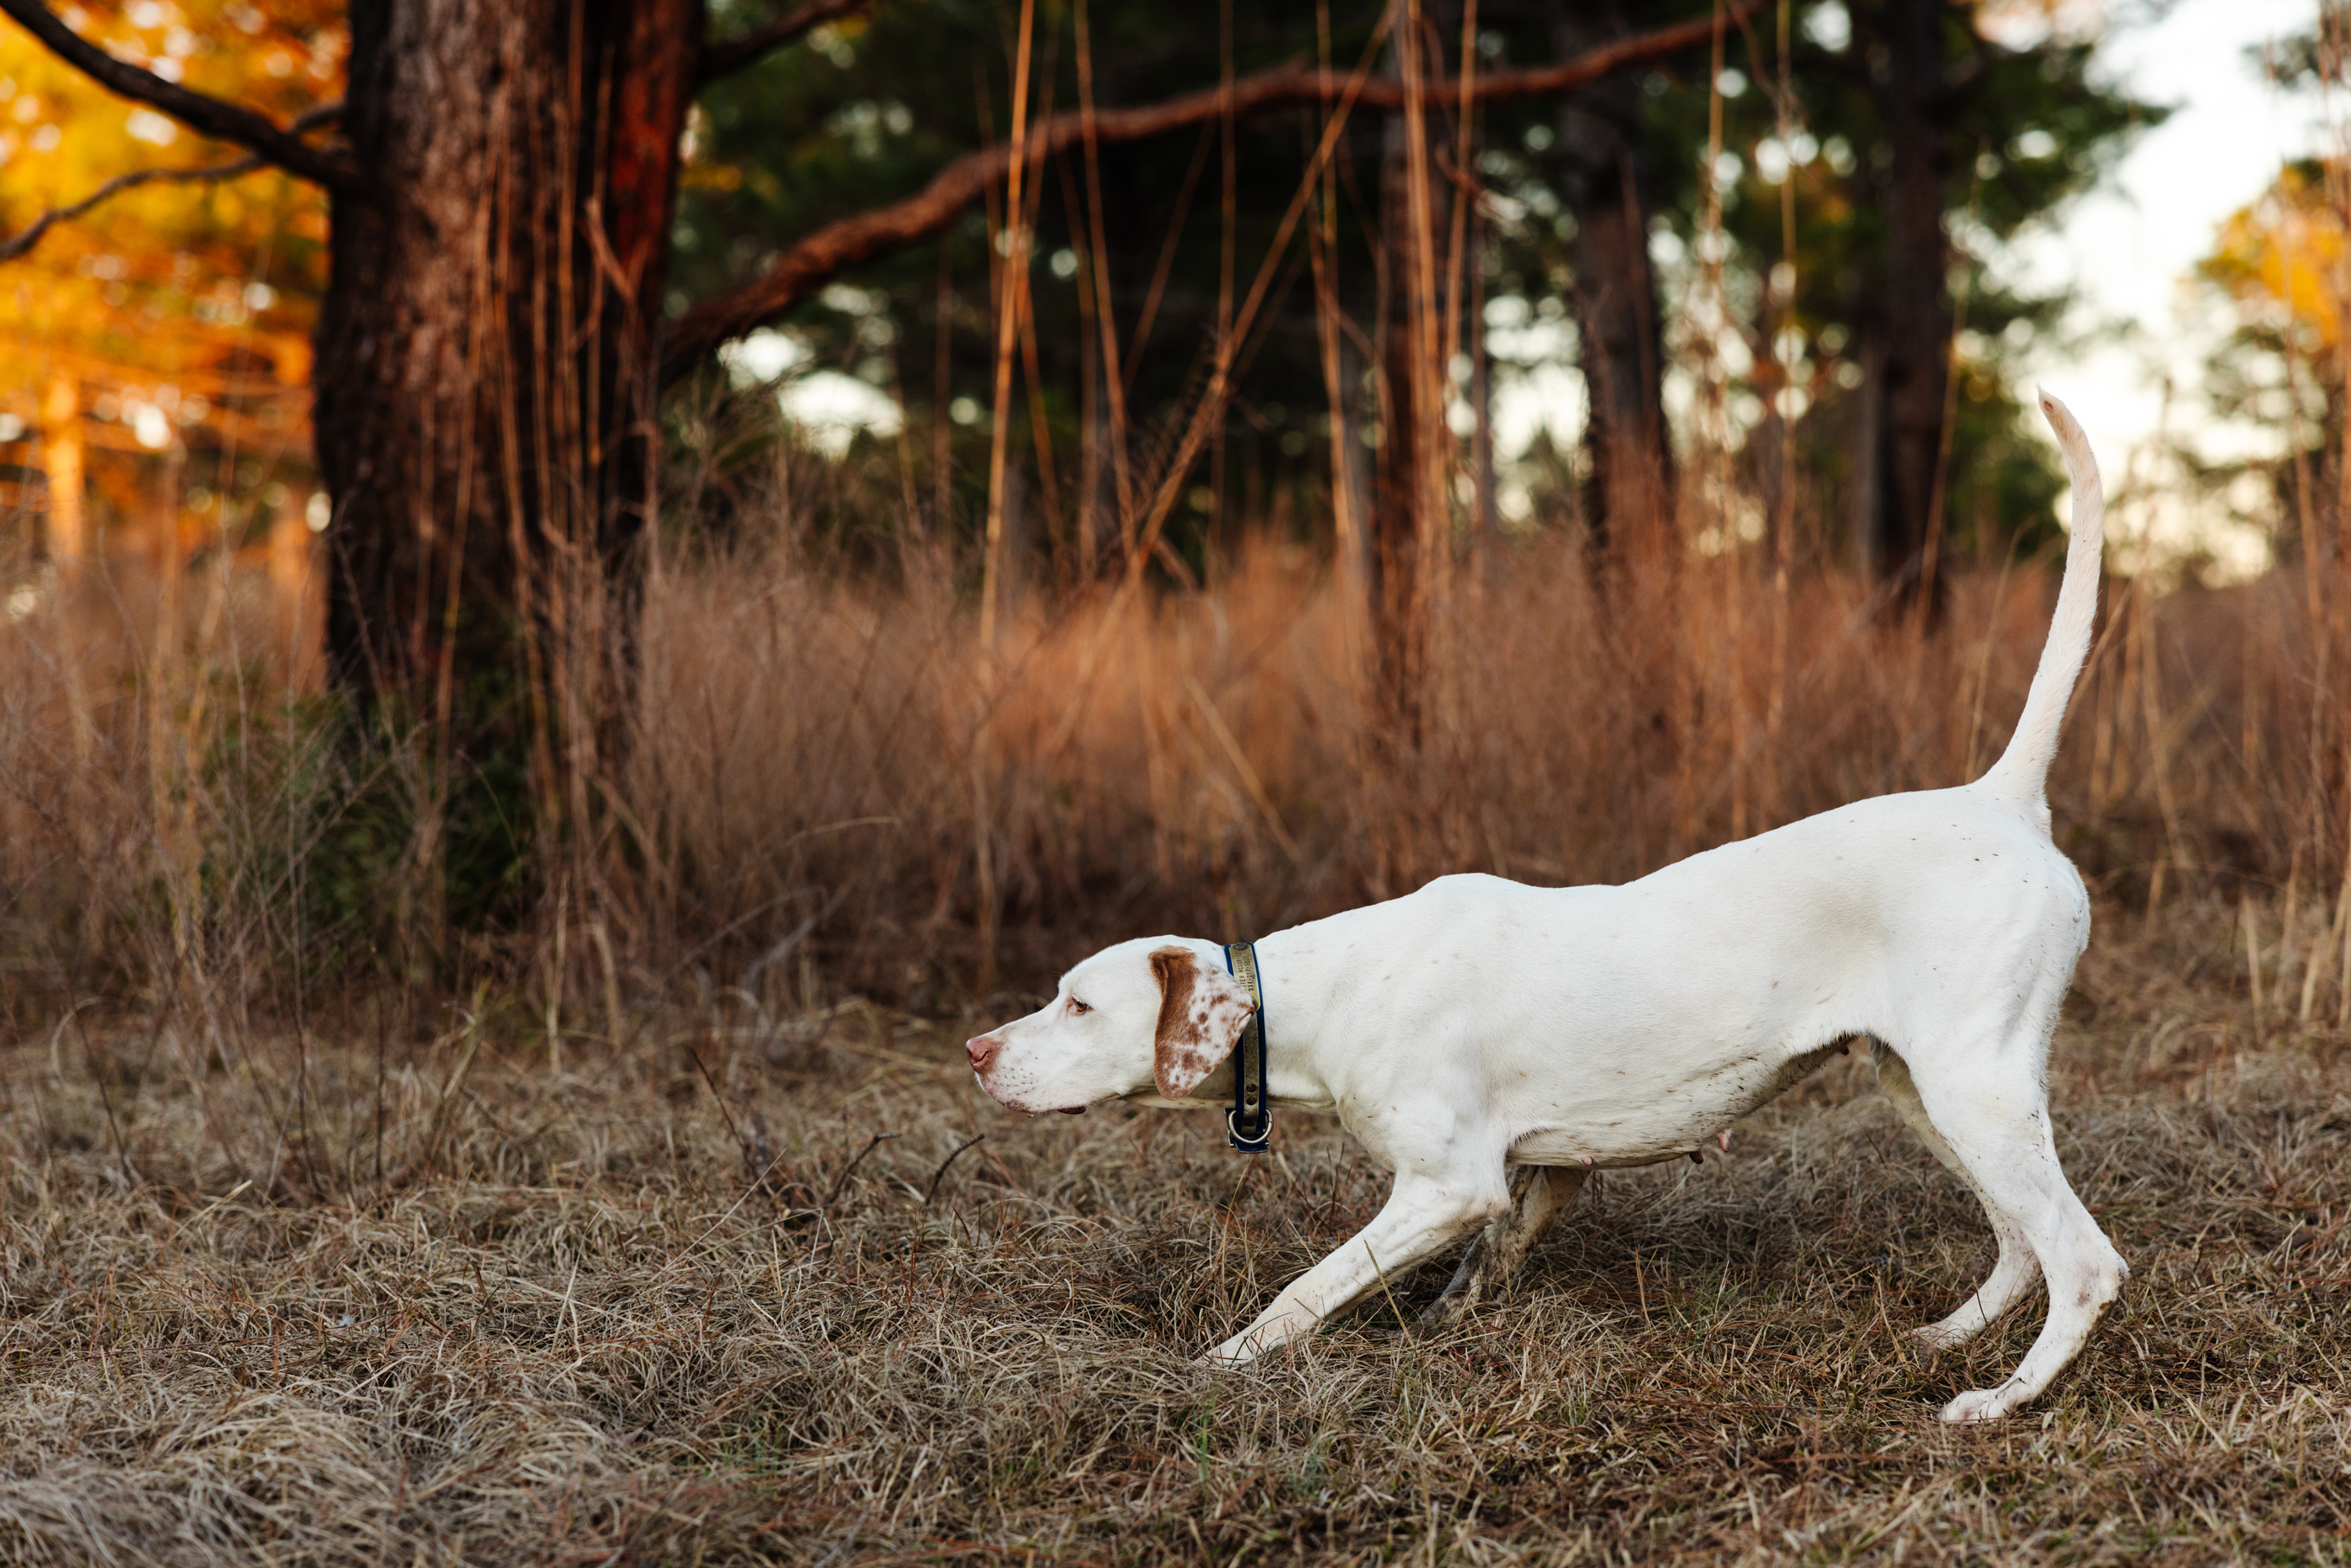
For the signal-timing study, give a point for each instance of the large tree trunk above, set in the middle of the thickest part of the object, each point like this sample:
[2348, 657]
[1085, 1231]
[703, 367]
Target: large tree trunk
[1629, 506]
[1909, 391]
[1408, 522]
[485, 368]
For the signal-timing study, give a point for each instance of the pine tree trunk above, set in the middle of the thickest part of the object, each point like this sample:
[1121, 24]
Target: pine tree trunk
[1409, 523]
[1629, 507]
[1910, 392]
[484, 373]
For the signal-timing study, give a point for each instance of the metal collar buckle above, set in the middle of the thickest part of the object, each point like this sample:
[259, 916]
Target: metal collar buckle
[1252, 1102]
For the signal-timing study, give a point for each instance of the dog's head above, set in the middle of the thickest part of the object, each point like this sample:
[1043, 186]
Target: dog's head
[1152, 1015]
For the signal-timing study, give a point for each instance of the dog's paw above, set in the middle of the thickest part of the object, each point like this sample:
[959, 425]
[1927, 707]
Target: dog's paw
[1979, 1405]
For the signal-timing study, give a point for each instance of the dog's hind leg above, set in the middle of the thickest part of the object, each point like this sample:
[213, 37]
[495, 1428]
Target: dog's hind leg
[1539, 1195]
[1992, 1113]
[2014, 1276]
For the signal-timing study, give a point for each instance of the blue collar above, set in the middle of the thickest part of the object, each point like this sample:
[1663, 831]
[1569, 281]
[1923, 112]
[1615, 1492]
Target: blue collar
[1252, 1102]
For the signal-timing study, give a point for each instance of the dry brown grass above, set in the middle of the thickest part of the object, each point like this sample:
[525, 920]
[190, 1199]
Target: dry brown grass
[1213, 764]
[831, 788]
[563, 1325]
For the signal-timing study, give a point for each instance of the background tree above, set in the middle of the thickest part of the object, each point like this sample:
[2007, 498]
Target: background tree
[808, 140]
[499, 218]
[486, 375]
[1607, 193]
[2279, 263]
[2022, 128]
[1944, 135]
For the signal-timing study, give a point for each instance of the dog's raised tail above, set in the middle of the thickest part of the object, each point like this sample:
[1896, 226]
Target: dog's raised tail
[2022, 771]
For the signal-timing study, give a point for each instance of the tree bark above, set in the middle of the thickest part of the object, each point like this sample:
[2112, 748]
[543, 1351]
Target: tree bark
[1408, 521]
[485, 368]
[1629, 508]
[1910, 389]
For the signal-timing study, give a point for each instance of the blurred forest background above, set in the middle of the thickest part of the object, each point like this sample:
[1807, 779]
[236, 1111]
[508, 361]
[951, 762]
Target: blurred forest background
[747, 503]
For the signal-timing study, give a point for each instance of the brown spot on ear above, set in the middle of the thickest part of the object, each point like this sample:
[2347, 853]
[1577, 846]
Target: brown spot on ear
[1176, 1045]
[1189, 1043]
[1179, 1050]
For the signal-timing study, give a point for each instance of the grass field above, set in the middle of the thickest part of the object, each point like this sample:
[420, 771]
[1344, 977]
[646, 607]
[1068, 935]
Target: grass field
[450, 1300]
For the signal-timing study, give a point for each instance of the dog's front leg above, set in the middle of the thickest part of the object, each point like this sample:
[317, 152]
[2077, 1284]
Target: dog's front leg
[1422, 1216]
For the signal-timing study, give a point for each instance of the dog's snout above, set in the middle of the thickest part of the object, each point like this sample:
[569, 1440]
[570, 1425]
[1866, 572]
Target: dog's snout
[981, 1048]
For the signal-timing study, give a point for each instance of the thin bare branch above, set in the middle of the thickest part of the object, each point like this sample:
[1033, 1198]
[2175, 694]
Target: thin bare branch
[206, 115]
[725, 56]
[31, 235]
[807, 267]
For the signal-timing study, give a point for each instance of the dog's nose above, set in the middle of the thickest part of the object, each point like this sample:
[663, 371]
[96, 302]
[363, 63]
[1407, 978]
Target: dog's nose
[982, 1051]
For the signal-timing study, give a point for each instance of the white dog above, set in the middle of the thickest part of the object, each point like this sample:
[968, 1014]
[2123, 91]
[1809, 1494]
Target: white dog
[1479, 1025]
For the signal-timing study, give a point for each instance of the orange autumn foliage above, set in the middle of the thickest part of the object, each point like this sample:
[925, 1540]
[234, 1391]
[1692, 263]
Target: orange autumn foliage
[2281, 258]
[160, 343]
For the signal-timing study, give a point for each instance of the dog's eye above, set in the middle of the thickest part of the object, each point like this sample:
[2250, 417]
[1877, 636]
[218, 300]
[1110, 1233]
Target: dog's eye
[1079, 1009]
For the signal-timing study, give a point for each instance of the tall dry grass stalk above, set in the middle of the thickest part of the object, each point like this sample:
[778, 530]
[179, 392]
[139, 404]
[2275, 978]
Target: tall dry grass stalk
[153, 793]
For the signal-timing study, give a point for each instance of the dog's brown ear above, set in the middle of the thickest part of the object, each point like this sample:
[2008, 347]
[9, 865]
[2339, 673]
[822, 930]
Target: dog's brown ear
[1201, 1012]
